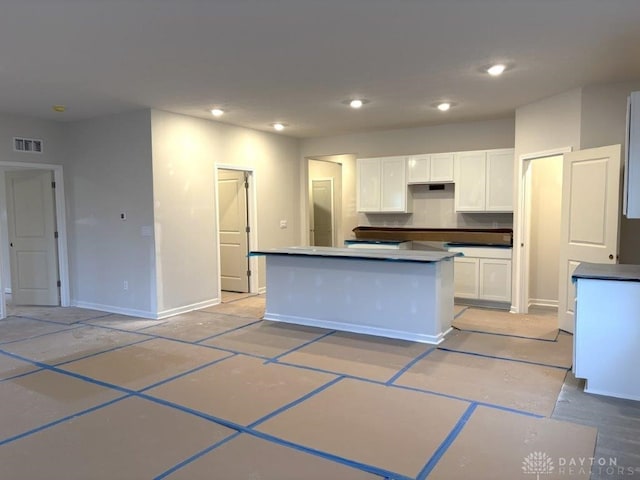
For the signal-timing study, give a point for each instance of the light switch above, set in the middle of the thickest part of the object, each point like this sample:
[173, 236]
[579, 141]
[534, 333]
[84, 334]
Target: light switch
[283, 224]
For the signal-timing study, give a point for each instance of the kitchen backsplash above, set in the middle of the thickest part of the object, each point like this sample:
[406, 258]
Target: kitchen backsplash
[435, 209]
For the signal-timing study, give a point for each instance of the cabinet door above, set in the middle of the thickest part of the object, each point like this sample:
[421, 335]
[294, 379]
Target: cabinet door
[441, 168]
[369, 186]
[470, 175]
[465, 275]
[394, 184]
[495, 279]
[418, 167]
[499, 181]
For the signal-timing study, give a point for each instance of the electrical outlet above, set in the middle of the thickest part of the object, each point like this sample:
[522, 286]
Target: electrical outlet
[125, 285]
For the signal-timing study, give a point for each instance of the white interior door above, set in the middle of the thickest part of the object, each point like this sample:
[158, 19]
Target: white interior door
[234, 235]
[322, 199]
[32, 237]
[590, 218]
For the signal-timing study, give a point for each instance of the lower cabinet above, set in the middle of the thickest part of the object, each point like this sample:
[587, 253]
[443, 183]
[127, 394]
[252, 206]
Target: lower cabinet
[483, 273]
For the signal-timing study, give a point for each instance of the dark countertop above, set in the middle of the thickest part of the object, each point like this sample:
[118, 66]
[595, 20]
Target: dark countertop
[360, 253]
[375, 241]
[607, 271]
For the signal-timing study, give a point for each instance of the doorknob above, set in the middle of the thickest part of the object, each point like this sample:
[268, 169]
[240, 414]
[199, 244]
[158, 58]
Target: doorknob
[611, 257]
[11, 244]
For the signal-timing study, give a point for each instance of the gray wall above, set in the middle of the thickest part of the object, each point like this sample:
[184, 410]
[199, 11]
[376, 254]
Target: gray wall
[185, 153]
[604, 110]
[109, 171]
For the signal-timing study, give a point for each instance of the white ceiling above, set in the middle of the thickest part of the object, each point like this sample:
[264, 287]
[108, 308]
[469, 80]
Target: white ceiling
[295, 61]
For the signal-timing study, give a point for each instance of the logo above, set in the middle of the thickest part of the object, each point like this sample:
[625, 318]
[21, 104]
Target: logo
[537, 463]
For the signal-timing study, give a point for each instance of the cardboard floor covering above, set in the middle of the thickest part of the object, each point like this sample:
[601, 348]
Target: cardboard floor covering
[544, 327]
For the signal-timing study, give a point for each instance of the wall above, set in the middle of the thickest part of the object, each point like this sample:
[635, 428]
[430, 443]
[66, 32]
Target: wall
[551, 123]
[323, 170]
[109, 171]
[430, 209]
[604, 110]
[546, 200]
[185, 152]
[52, 135]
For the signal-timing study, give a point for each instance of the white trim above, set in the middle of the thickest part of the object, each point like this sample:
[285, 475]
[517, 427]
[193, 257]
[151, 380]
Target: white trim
[61, 225]
[252, 205]
[334, 234]
[542, 302]
[355, 328]
[520, 284]
[262, 290]
[144, 313]
[117, 310]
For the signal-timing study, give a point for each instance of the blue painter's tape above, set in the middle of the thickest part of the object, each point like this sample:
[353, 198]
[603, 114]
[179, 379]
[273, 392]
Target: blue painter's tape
[112, 349]
[43, 320]
[227, 331]
[20, 375]
[192, 458]
[512, 336]
[461, 312]
[295, 402]
[503, 358]
[188, 372]
[453, 434]
[39, 336]
[61, 420]
[274, 359]
[409, 365]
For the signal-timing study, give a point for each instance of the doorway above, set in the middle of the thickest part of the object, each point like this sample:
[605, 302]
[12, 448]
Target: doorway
[322, 212]
[60, 245]
[325, 200]
[543, 189]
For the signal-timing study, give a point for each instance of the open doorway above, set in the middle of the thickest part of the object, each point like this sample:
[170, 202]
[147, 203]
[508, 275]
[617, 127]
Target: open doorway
[236, 232]
[543, 190]
[33, 242]
[325, 211]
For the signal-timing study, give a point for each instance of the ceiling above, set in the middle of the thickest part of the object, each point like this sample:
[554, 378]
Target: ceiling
[296, 61]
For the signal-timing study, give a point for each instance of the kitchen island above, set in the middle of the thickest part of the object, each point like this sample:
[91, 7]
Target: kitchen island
[404, 294]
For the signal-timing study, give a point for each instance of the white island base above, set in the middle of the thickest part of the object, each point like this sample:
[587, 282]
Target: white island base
[398, 294]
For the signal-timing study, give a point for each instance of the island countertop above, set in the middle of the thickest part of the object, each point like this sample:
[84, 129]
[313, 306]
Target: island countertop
[607, 271]
[420, 256]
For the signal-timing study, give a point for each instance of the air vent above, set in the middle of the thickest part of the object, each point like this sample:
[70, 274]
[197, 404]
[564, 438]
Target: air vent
[31, 145]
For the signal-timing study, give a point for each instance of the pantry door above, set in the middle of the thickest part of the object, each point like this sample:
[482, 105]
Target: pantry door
[590, 218]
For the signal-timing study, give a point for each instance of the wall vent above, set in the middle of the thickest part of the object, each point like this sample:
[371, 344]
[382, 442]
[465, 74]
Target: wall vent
[31, 145]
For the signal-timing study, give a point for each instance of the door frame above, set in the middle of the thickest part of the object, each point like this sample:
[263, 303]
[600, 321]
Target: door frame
[61, 225]
[252, 207]
[334, 234]
[520, 283]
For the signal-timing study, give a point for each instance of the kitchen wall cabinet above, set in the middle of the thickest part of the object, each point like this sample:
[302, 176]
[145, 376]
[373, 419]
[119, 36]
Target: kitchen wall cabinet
[484, 181]
[483, 273]
[430, 168]
[382, 185]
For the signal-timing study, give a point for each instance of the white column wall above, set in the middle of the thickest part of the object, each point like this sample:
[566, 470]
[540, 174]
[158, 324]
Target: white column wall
[185, 153]
[109, 172]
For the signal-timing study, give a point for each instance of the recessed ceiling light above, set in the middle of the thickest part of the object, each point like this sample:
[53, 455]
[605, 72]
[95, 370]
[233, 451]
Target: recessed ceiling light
[444, 106]
[279, 126]
[356, 102]
[217, 112]
[497, 69]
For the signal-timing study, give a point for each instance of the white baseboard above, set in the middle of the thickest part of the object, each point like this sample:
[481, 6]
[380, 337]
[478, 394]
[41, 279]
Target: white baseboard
[146, 314]
[355, 328]
[188, 308]
[541, 302]
[262, 290]
[113, 309]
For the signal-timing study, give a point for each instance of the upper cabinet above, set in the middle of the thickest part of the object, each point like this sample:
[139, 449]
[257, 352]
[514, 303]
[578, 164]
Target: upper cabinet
[382, 185]
[484, 181]
[430, 168]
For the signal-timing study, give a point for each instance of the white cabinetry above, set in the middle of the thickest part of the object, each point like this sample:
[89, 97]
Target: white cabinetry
[483, 273]
[484, 181]
[431, 168]
[382, 185]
